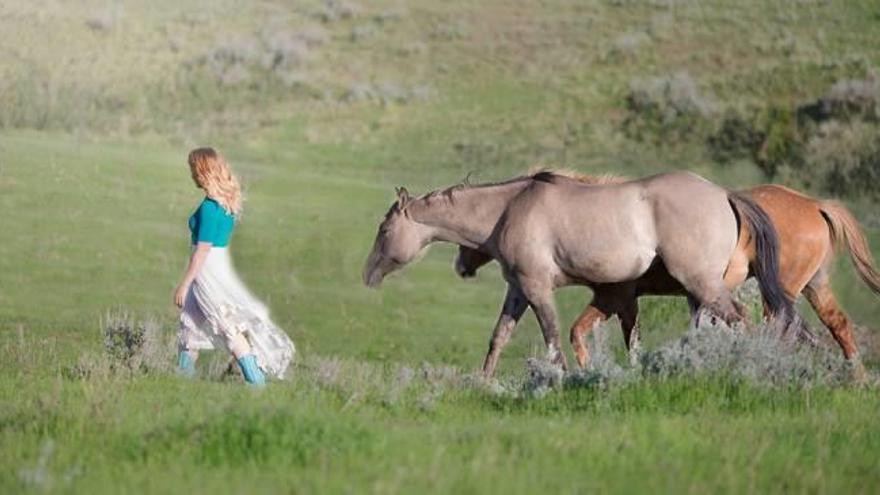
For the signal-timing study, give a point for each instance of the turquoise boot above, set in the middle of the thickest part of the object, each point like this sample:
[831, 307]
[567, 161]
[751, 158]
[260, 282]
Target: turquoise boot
[252, 373]
[185, 365]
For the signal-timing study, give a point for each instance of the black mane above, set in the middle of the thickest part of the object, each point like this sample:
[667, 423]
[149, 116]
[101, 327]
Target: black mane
[545, 176]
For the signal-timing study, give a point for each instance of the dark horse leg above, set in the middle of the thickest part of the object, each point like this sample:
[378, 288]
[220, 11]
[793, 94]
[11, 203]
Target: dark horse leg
[607, 300]
[512, 310]
[629, 323]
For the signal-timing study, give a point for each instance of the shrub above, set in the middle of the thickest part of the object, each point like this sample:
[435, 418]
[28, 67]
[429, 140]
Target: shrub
[782, 145]
[129, 347]
[846, 156]
[541, 377]
[238, 61]
[136, 345]
[105, 20]
[102, 22]
[736, 138]
[363, 32]
[450, 31]
[770, 137]
[284, 50]
[626, 46]
[848, 99]
[335, 10]
[760, 357]
[386, 93]
[665, 107]
[831, 145]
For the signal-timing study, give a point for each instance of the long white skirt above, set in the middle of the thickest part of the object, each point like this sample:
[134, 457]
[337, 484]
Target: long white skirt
[219, 308]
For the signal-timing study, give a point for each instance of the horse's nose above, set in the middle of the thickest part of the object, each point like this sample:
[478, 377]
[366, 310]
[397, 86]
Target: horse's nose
[462, 270]
[372, 277]
[459, 267]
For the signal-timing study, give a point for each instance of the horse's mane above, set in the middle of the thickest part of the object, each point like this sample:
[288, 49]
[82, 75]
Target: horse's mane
[538, 174]
[550, 175]
[447, 192]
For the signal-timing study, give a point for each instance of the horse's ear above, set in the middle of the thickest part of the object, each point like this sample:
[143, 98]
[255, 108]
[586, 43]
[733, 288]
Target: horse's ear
[403, 197]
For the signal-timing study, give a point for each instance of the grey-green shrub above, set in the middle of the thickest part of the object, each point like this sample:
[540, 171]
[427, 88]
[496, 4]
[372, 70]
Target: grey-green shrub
[759, 356]
[666, 107]
[736, 138]
[848, 98]
[847, 157]
[136, 345]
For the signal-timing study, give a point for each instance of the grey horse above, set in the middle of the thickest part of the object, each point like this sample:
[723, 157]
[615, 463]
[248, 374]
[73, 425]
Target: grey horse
[548, 230]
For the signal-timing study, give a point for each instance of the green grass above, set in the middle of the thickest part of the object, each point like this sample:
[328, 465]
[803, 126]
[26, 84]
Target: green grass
[107, 231]
[94, 194]
[160, 433]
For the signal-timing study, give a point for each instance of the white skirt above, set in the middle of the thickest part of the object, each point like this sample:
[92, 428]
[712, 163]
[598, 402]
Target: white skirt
[219, 307]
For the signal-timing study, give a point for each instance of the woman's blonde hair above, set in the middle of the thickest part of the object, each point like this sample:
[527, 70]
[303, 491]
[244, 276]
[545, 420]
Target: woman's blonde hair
[211, 172]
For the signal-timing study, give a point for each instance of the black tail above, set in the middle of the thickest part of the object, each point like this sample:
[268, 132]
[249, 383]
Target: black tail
[766, 263]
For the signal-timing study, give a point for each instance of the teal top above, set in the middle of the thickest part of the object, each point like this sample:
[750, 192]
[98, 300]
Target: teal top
[211, 223]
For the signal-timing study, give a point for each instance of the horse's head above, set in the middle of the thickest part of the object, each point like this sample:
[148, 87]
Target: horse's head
[399, 241]
[469, 261]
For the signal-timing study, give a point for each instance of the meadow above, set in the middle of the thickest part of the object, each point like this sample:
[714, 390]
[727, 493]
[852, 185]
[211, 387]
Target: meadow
[325, 107]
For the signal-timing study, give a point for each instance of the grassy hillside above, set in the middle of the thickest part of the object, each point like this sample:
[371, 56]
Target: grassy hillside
[324, 107]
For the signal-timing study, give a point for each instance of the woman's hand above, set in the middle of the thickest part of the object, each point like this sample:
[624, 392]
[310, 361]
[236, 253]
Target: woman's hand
[180, 294]
[196, 260]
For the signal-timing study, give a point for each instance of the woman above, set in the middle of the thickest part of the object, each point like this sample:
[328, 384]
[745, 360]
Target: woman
[217, 309]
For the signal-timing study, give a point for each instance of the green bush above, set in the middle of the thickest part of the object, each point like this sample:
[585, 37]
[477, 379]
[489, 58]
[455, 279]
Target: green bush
[666, 108]
[847, 159]
[782, 144]
[831, 145]
[770, 137]
[846, 99]
[737, 138]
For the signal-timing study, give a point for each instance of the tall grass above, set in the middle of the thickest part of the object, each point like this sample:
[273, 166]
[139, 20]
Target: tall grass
[759, 356]
[401, 426]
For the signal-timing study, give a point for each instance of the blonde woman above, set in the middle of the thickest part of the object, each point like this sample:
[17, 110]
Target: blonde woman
[217, 309]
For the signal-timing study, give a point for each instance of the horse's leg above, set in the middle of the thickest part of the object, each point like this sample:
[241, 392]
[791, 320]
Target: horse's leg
[591, 318]
[694, 308]
[619, 299]
[795, 274]
[540, 296]
[717, 299]
[704, 282]
[512, 310]
[607, 301]
[818, 293]
[698, 311]
[629, 323]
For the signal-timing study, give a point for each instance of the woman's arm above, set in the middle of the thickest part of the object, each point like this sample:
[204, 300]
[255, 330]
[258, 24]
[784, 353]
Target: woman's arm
[195, 265]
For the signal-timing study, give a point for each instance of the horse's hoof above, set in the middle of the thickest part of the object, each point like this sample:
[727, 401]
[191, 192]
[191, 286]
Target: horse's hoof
[860, 375]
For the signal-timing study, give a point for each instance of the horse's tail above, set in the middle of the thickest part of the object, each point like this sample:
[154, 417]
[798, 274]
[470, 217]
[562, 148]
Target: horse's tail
[766, 263]
[845, 230]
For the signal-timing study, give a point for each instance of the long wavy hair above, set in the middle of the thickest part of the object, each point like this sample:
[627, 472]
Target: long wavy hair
[211, 172]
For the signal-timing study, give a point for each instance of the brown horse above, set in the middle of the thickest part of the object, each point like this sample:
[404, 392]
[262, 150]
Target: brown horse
[549, 231]
[809, 230]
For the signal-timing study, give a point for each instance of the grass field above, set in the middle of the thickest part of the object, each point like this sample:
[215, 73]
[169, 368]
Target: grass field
[353, 100]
